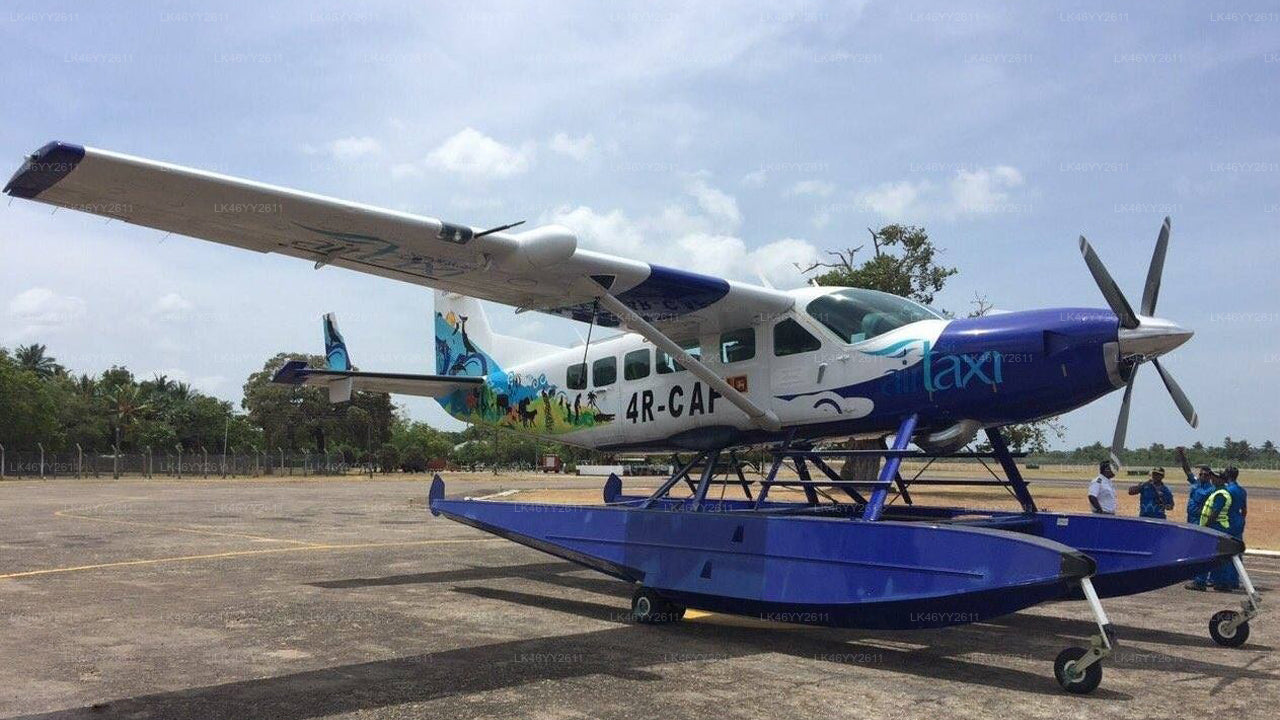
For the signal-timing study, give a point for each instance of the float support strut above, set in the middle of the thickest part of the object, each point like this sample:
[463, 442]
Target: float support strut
[875, 505]
[1000, 449]
[680, 473]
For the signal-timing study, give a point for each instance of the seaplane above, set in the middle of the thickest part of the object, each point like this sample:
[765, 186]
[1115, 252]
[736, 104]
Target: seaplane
[708, 366]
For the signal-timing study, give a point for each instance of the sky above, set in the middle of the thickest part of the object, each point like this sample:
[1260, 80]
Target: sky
[728, 138]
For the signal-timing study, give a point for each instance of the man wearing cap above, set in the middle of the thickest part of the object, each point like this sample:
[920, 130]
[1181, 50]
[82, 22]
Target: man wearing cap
[1201, 486]
[1102, 494]
[1216, 515]
[1156, 497]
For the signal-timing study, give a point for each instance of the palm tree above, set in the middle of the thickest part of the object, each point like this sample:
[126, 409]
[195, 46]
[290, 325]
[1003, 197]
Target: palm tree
[127, 407]
[33, 357]
[86, 385]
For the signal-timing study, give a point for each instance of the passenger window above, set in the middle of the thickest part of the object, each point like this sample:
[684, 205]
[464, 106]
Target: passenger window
[737, 345]
[604, 371]
[667, 364]
[576, 378]
[790, 338]
[635, 365]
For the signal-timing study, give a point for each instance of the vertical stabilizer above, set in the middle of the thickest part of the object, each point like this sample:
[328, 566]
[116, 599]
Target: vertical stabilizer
[466, 345]
[335, 348]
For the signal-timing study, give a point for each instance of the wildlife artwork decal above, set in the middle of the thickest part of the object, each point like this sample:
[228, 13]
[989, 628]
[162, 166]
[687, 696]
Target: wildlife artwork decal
[512, 400]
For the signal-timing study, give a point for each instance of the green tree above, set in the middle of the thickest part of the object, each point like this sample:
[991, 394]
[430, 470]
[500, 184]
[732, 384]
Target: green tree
[35, 358]
[413, 460]
[389, 458]
[298, 417]
[128, 405]
[30, 412]
[905, 263]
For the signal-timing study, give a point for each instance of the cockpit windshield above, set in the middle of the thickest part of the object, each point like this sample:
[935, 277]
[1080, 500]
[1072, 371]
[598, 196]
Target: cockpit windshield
[856, 314]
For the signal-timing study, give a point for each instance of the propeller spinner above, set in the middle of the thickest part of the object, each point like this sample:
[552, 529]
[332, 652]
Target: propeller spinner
[1142, 337]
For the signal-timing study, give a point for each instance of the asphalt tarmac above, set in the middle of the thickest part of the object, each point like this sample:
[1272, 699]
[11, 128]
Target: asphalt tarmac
[315, 598]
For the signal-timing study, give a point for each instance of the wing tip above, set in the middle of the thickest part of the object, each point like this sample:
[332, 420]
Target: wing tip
[44, 168]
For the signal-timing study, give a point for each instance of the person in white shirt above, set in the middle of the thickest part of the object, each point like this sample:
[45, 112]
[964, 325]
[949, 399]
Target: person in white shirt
[1102, 494]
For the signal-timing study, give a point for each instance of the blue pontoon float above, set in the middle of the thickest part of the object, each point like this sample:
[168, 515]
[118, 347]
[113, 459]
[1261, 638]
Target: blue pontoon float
[860, 562]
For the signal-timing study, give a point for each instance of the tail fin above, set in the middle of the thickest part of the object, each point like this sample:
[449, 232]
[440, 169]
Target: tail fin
[335, 348]
[466, 345]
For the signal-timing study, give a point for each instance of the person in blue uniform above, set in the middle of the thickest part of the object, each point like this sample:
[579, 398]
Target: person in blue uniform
[1201, 485]
[1156, 497]
[1225, 578]
[1215, 514]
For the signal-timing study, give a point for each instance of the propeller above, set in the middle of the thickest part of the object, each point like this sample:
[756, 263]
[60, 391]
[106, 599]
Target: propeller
[1141, 337]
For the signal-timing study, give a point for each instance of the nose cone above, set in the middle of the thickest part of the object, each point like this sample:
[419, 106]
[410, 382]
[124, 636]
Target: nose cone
[1153, 337]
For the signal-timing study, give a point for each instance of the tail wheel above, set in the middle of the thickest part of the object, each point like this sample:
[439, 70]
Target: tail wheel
[1073, 680]
[649, 608]
[1222, 632]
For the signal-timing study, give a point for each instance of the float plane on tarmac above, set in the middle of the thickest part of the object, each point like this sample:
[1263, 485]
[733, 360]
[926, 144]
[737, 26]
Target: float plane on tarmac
[708, 365]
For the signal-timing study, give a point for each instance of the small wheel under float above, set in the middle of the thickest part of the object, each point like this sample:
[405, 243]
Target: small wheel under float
[1228, 629]
[1071, 676]
[650, 608]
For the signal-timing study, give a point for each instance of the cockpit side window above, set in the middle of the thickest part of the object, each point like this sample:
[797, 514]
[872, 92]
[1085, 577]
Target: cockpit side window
[856, 314]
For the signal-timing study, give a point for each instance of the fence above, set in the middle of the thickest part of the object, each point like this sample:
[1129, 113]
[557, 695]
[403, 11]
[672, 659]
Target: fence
[77, 464]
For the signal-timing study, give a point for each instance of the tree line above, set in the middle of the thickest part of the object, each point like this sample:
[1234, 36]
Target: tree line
[43, 404]
[1240, 453]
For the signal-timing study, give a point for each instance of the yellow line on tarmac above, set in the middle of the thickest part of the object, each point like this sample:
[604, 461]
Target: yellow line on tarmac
[241, 553]
[173, 528]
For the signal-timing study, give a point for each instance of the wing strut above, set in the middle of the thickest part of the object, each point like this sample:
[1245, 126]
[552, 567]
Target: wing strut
[761, 417]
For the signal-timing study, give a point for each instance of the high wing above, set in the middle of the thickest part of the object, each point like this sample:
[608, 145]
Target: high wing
[542, 269]
[341, 383]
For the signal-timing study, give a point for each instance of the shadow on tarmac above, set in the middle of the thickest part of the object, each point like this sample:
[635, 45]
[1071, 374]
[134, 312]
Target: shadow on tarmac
[644, 653]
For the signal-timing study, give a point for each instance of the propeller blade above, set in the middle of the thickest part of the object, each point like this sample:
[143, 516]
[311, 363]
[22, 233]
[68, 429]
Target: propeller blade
[1108, 286]
[1122, 422]
[1151, 292]
[1179, 397]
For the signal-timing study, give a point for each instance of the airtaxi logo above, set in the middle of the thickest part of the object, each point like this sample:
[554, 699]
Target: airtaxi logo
[940, 372]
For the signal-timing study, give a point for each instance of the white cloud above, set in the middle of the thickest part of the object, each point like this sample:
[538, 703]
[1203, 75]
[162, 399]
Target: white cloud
[207, 384]
[353, 148]
[816, 188]
[777, 261]
[717, 204]
[719, 255]
[474, 154]
[756, 178]
[611, 232]
[894, 200]
[577, 148]
[979, 191]
[983, 190]
[40, 310]
[677, 237]
[171, 307]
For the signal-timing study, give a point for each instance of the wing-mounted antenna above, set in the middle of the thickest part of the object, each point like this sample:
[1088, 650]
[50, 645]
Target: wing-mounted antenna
[500, 228]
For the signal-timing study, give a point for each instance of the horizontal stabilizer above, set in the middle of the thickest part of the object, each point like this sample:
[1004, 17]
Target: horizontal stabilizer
[341, 383]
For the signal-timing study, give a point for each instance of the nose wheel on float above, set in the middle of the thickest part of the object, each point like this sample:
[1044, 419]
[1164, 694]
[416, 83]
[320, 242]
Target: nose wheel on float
[1079, 670]
[1230, 628]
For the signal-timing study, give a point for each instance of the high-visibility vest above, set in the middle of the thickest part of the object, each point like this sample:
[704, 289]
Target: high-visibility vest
[1207, 510]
